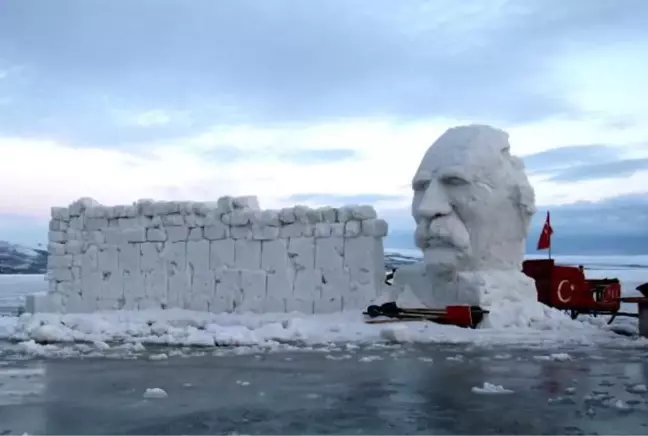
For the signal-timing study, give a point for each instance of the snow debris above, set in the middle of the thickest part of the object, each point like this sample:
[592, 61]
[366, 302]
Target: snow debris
[638, 389]
[558, 357]
[366, 359]
[160, 356]
[155, 393]
[489, 388]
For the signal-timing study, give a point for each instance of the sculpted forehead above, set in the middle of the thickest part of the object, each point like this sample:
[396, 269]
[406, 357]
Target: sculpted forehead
[469, 150]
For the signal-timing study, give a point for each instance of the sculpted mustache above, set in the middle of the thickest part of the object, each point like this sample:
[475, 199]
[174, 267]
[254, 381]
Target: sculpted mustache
[434, 234]
[439, 232]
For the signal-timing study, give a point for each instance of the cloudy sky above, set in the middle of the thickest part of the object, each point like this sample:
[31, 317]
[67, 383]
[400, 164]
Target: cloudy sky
[314, 102]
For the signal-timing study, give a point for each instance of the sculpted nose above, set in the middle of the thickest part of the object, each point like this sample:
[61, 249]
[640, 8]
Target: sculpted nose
[434, 203]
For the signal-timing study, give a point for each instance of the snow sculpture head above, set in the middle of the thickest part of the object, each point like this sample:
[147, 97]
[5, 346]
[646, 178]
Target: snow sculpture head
[472, 202]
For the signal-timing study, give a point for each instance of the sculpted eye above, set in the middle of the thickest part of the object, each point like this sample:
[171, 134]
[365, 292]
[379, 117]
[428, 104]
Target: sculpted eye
[421, 185]
[454, 181]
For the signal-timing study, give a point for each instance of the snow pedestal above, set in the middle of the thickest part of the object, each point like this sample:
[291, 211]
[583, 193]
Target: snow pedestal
[415, 285]
[224, 256]
[472, 205]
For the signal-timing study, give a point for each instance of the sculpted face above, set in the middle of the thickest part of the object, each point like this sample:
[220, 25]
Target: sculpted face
[472, 202]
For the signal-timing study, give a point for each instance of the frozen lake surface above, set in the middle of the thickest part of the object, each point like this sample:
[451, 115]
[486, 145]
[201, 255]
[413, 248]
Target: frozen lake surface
[396, 389]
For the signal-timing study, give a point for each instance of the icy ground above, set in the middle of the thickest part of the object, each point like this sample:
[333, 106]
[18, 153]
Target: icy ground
[350, 389]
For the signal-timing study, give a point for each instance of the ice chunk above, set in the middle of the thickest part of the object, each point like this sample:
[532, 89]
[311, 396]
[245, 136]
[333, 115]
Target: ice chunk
[155, 393]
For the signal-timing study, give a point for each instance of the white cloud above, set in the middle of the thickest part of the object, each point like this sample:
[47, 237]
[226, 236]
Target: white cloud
[45, 173]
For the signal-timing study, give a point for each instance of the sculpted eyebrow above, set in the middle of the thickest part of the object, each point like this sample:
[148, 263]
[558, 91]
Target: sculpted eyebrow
[420, 180]
[455, 174]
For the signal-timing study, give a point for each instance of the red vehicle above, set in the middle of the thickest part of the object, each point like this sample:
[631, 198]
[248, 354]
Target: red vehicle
[565, 287]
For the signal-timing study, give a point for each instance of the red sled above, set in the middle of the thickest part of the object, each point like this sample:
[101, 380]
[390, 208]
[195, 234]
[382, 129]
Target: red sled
[459, 315]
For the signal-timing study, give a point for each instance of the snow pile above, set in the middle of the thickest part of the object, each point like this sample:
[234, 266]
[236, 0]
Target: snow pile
[175, 327]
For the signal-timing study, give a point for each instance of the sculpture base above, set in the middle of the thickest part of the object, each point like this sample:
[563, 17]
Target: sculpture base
[415, 286]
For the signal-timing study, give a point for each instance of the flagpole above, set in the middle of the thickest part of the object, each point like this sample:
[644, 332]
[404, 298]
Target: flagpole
[550, 234]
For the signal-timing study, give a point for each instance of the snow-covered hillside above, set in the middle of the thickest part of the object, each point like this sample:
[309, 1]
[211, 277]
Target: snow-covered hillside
[18, 259]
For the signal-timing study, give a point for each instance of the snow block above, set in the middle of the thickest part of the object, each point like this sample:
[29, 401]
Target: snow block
[216, 231]
[156, 235]
[60, 213]
[196, 234]
[56, 248]
[174, 219]
[287, 215]
[228, 287]
[56, 236]
[253, 285]
[74, 247]
[247, 254]
[246, 202]
[237, 218]
[58, 225]
[301, 251]
[134, 235]
[221, 256]
[177, 233]
[274, 255]
[263, 232]
[244, 232]
[374, 227]
[198, 257]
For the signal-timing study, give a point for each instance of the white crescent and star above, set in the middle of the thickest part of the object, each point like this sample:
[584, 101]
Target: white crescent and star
[560, 291]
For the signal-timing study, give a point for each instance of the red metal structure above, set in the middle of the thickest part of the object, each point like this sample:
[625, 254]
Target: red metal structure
[566, 288]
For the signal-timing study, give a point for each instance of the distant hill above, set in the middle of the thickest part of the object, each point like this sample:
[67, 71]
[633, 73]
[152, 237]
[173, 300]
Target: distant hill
[18, 259]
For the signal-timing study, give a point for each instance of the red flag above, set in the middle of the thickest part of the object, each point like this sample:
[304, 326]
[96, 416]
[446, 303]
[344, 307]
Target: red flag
[544, 242]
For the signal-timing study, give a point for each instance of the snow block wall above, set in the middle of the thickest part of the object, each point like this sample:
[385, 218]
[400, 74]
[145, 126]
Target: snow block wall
[219, 257]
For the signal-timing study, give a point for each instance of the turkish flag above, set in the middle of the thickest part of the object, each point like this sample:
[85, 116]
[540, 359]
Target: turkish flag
[544, 242]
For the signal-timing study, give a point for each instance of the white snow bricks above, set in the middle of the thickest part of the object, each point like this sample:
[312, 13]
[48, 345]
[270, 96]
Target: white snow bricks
[227, 256]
